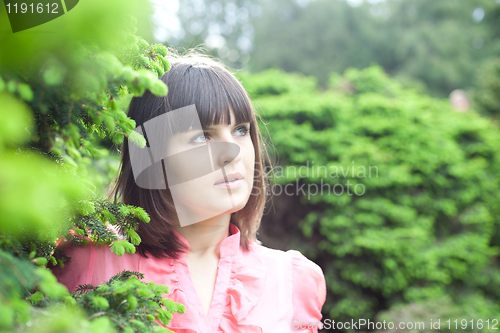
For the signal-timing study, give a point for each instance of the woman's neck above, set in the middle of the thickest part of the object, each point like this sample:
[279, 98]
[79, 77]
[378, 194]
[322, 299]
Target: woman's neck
[205, 237]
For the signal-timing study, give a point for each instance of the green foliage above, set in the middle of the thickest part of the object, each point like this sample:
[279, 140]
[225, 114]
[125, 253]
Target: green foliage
[400, 192]
[128, 302]
[102, 222]
[48, 192]
[487, 92]
[122, 246]
[276, 82]
[59, 97]
[16, 278]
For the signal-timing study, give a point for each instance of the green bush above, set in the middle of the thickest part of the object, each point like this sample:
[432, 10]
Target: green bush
[487, 91]
[417, 219]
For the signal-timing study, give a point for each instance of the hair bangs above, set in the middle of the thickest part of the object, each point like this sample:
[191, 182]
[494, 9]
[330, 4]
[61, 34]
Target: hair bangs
[213, 91]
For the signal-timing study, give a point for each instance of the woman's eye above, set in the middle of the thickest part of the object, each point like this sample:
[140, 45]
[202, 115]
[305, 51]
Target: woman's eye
[243, 130]
[200, 138]
[204, 137]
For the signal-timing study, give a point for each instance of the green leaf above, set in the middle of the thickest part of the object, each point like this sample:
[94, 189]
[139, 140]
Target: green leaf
[143, 61]
[36, 297]
[73, 152]
[109, 217]
[25, 92]
[54, 73]
[121, 246]
[40, 261]
[160, 49]
[7, 314]
[100, 302]
[172, 306]
[165, 63]
[73, 132]
[69, 300]
[124, 209]
[109, 122]
[141, 214]
[158, 88]
[11, 86]
[129, 74]
[159, 71]
[79, 231]
[161, 289]
[164, 316]
[137, 138]
[15, 118]
[146, 292]
[128, 247]
[86, 207]
[57, 151]
[110, 63]
[101, 324]
[118, 248]
[48, 284]
[132, 302]
[138, 324]
[70, 162]
[134, 237]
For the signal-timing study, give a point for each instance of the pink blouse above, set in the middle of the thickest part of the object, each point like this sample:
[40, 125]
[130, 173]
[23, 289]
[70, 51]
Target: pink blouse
[257, 291]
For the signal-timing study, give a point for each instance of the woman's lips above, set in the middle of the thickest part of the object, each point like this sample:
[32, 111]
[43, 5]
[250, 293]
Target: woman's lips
[234, 180]
[232, 184]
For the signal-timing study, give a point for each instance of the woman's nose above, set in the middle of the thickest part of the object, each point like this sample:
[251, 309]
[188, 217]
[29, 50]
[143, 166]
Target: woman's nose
[224, 153]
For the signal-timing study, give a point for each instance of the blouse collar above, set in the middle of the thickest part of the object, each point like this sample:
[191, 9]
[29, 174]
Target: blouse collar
[229, 246]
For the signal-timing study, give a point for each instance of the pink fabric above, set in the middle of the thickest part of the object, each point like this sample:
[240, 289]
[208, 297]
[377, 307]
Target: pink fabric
[257, 291]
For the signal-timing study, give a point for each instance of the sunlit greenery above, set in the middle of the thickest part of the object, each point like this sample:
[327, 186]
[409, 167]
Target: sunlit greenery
[65, 86]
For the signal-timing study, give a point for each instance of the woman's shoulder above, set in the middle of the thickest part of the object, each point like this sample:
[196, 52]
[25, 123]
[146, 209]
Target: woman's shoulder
[300, 263]
[303, 265]
[307, 280]
[303, 269]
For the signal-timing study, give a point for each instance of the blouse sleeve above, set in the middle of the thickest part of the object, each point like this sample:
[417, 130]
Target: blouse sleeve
[309, 293]
[92, 265]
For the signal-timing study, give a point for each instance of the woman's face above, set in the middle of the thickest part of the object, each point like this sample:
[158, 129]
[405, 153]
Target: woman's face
[228, 184]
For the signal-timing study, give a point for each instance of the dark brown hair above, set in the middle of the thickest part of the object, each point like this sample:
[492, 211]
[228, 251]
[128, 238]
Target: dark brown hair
[200, 80]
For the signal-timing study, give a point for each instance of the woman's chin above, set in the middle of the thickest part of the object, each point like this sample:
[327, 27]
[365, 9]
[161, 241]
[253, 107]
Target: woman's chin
[235, 209]
[239, 202]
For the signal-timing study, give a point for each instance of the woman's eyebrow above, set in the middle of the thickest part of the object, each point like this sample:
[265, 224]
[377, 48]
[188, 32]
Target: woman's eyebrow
[208, 128]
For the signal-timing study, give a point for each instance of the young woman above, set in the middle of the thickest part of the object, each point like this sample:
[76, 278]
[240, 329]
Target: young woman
[210, 258]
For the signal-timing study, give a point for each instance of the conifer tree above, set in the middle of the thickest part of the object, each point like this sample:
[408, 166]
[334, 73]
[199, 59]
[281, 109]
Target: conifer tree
[60, 95]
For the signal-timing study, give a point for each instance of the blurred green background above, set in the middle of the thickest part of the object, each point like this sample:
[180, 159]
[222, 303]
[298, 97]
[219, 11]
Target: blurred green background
[382, 119]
